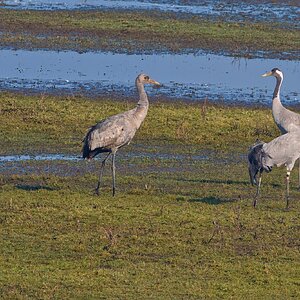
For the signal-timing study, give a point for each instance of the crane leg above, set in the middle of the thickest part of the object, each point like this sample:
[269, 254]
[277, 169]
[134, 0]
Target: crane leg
[257, 190]
[101, 174]
[113, 169]
[299, 174]
[287, 188]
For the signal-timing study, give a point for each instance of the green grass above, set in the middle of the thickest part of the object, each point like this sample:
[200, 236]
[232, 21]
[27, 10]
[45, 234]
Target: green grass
[188, 235]
[138, 31]
[177, 228]
[48, 123]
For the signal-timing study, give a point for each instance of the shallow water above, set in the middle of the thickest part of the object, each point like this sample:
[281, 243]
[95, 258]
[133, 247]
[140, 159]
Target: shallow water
[68, 157]
[70, 165]
[161, 153]
[38, 157]
[141, 159]
[278, 11]
[184, 76]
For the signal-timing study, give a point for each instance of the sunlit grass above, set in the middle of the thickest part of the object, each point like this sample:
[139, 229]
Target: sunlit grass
[188, 235]
[48, 123]
[177, 228]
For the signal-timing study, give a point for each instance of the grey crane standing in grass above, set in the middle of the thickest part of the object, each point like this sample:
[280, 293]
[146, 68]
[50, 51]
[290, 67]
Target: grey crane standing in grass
[116, 131]
[283, 150]
[285, 119]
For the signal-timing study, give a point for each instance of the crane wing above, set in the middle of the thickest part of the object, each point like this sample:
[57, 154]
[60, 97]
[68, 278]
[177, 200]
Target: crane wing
[287, 120]
[113, 132]
[285, 149]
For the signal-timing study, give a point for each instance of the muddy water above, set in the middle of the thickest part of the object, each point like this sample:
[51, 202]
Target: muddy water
[185, 76]
[278, 11]
[41, 157]
[140, 160]
[73, 158]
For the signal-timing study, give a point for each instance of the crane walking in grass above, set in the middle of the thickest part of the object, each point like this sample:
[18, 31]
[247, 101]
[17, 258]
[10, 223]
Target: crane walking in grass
[283, 150]
[285, 119]
[117, 131]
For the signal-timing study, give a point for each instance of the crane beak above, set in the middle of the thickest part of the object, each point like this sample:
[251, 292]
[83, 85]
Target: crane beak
[154, 82]
[267, 74]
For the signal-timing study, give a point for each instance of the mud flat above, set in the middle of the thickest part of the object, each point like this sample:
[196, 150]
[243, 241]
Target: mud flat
[144, 32]
[254, 11]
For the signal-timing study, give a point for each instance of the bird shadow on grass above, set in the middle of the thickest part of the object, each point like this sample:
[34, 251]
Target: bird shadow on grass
[217, 181]
[25, 187]
[210, 200]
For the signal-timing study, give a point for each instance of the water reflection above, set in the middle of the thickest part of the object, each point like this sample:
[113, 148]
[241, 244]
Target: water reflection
[183, 75]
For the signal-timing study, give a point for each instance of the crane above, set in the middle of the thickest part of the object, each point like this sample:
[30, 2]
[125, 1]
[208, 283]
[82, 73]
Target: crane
[111, 134]
[283, 150]
[285, 119]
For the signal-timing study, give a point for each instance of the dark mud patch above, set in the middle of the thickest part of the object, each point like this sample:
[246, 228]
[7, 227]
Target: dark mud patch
[25, 187]
[211, 200]
[216, 181]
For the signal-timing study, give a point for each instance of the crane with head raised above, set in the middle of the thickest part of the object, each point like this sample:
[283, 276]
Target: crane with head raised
[285, 119]
[111, 134]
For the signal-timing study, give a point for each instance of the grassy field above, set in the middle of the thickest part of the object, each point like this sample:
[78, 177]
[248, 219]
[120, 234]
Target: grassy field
[48, 123]
[177, 229]
[140, 32]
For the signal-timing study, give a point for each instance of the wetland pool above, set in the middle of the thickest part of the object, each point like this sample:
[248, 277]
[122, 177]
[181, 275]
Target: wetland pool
[183, 76]
[247, 10]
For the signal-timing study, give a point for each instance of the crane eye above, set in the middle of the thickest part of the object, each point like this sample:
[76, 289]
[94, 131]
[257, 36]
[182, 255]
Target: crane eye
[146, 77]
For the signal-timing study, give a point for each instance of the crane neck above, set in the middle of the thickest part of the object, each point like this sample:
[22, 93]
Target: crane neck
[143, 101]
[279, 80]
[141, 109]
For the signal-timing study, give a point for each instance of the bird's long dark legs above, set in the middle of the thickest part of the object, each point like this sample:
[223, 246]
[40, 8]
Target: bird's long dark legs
[257, 189]
[287, 188]
[101, 173]
[299, 174]
[113, 169]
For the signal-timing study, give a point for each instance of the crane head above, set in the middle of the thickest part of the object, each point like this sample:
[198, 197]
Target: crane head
[274, 72]
[143, 78]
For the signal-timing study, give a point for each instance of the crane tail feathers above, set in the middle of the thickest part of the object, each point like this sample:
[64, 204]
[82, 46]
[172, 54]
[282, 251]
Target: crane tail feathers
[86, 151]
[256, 163]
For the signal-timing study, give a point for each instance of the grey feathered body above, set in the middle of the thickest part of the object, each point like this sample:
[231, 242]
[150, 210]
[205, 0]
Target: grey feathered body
[283, 150]
[114, 132]
[285, 119]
